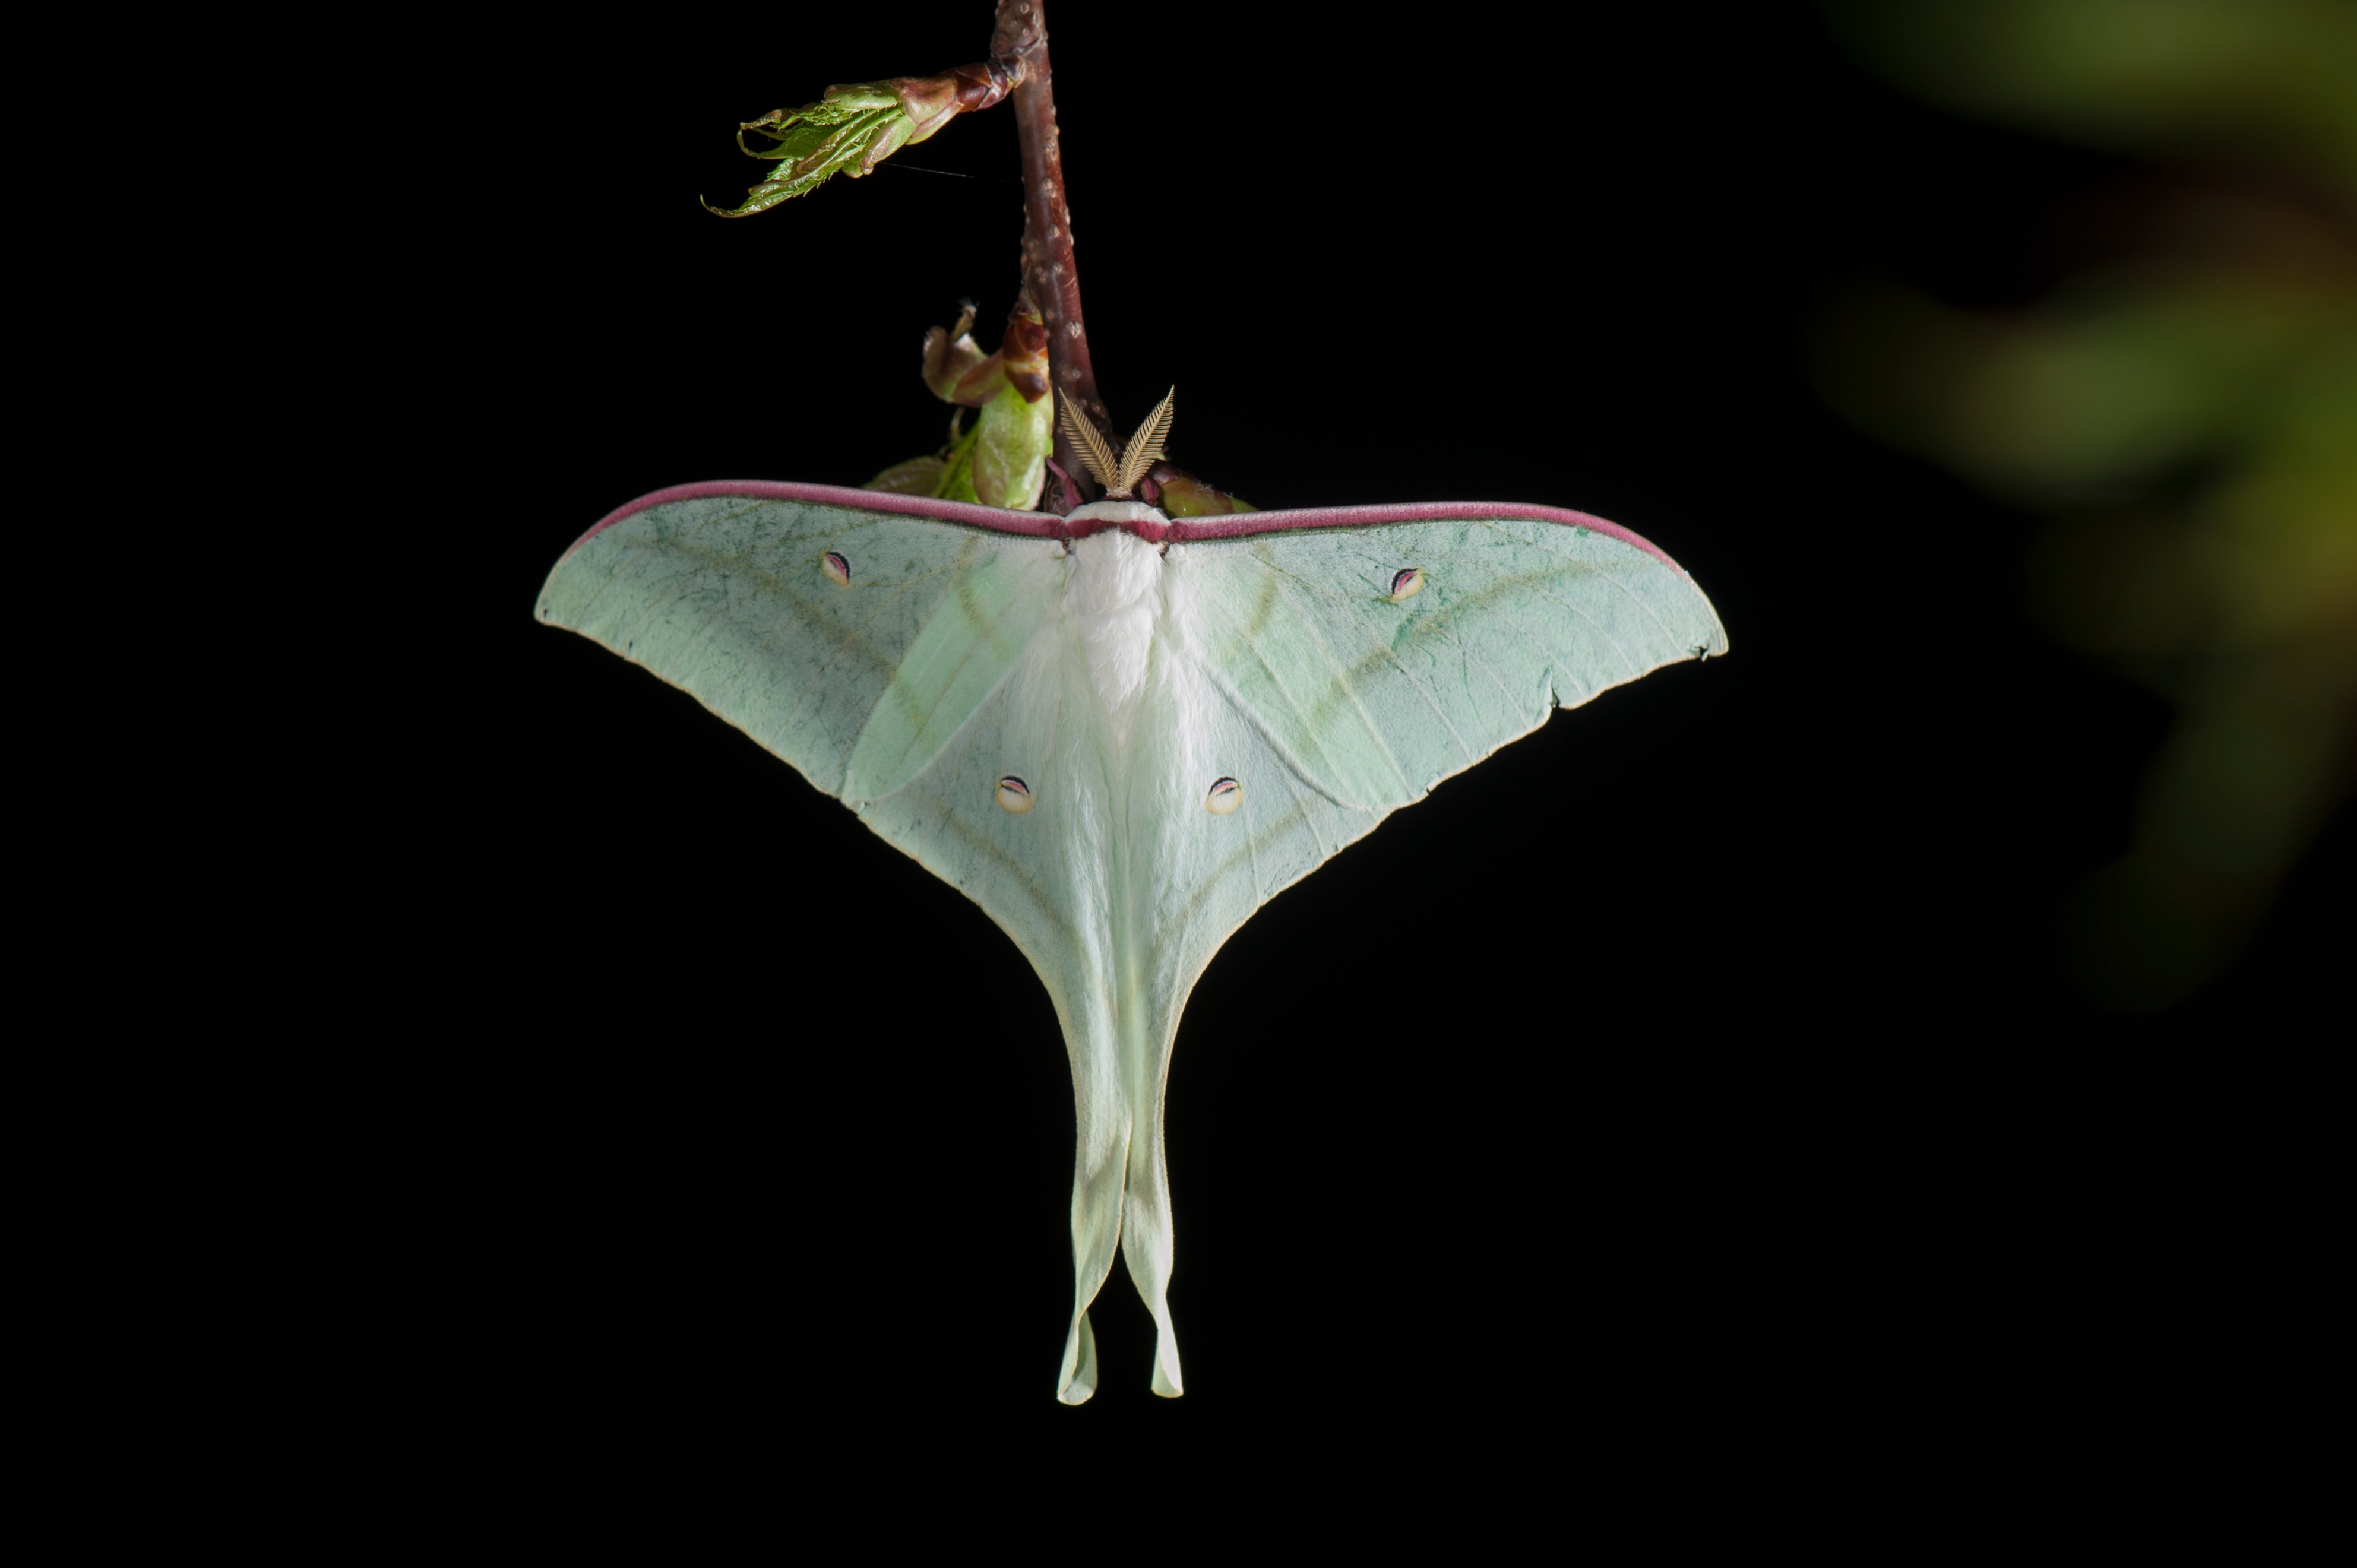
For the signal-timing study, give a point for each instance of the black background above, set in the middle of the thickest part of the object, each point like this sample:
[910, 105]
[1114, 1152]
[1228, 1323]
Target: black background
[1692, 1080]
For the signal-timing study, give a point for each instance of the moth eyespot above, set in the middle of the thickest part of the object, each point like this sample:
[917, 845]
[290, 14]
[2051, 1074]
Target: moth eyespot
[1406, 585]
[1014, 795]
[1226, 796]
[837, 570]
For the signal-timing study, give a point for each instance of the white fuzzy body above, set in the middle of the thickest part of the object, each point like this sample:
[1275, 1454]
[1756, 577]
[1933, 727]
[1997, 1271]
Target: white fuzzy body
[1113, 598]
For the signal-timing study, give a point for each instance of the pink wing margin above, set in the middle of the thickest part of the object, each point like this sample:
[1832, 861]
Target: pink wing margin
[1047, 525]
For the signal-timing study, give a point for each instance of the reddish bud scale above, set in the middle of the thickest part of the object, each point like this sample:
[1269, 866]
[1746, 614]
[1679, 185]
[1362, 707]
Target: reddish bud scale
[979, 86]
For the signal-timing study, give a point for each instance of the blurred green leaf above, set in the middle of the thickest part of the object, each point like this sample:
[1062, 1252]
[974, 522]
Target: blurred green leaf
[2265, 78]
[2186, 415]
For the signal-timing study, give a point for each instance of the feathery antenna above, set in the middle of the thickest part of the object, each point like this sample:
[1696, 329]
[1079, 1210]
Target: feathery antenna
[1091, 445]
[1145, 448]
[1119, 476]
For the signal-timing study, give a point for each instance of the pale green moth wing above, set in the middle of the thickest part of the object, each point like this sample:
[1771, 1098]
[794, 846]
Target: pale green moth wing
[1120, 734]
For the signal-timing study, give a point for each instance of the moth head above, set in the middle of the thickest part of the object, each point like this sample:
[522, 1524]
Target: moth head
[1119, 476]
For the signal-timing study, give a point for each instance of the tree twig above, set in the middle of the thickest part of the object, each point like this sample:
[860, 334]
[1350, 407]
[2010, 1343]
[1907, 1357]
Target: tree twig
[1020, 41]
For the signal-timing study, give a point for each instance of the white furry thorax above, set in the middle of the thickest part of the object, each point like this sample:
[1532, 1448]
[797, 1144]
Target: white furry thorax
[1114, 597]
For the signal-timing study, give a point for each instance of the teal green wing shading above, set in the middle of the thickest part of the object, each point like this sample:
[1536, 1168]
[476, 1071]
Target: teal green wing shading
[1120, 746]
[850, 642]
[875, 652]
[1371, 697]
[1334, 674]
[915, 667]
[1309, 683]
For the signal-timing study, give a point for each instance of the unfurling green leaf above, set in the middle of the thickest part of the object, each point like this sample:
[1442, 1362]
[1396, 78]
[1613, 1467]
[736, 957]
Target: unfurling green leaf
[951, 354]
[850, 134]
[856, 126]
[1002, 460]
[1013, 438]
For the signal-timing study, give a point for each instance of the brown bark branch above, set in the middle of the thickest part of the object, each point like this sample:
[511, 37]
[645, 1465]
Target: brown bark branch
[1019, 42]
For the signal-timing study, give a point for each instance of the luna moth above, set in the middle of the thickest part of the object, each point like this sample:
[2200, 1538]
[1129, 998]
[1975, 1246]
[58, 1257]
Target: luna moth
[1121, 731]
